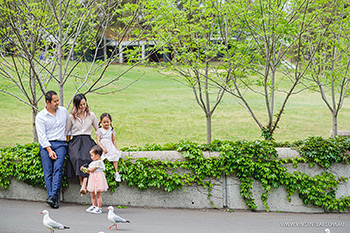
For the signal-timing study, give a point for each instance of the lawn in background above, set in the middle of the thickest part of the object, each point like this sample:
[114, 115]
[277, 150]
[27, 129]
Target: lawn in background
[156, 109]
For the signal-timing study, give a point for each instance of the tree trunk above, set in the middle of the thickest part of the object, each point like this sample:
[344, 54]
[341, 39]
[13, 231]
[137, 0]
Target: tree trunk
[60, 55]
[105, 47]
[207, 100]
[35, 135]
[334, 124]
[208, 128]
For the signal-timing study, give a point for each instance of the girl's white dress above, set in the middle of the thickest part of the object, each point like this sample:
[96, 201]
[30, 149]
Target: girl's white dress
[113, 154]
[97, 180]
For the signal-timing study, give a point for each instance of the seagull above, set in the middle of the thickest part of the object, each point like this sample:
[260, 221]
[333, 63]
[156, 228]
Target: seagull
[51, 224]
[115, 218]
[327, 231]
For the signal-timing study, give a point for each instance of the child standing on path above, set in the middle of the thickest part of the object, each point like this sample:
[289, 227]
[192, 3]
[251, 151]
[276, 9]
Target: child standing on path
[97, 182]
[106, 140]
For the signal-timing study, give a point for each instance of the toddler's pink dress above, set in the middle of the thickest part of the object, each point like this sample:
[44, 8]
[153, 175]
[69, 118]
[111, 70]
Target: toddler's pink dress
[97, 180]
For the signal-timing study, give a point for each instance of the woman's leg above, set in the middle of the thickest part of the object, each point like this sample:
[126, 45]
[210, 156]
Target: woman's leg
[81, 180]
[83, 183]
[85, 179]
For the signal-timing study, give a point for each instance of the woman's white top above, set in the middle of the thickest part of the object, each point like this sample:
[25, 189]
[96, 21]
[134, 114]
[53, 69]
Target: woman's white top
[81, 126]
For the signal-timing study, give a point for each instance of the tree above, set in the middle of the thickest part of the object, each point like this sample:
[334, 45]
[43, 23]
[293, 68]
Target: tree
[62, 32]
[331, 63]
[20, 50]
[192, 33]
[271, 35]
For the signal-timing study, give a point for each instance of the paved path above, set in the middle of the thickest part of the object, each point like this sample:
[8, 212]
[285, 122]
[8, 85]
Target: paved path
[24, 216]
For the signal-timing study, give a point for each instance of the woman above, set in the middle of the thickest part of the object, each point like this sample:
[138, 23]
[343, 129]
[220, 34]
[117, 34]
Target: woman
[79, 125]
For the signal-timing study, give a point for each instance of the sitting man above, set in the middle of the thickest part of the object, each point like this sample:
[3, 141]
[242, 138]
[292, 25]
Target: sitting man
[50, 126]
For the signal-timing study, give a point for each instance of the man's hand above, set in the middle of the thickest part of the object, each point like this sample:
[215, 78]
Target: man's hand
[52, 154]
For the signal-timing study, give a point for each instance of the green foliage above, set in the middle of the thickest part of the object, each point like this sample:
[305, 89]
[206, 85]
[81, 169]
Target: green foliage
[146, 173]
[266, 133]
[28, 166]
[7, 169]
[249, 161]
[23, 163]
[110, 179]
[324, 152]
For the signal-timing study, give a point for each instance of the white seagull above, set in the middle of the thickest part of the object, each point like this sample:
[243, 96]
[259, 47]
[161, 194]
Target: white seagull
[115, 218]
[51, 224]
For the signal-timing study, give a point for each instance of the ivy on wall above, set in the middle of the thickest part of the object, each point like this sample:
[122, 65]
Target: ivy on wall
[248, 161]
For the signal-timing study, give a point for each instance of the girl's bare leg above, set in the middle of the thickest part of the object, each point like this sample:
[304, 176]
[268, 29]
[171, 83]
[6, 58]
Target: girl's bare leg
[99, 199]
[93, 198]
[115, 165]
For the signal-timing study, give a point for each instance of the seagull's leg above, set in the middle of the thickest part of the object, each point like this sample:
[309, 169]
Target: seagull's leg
[115, 226]
[111, 226]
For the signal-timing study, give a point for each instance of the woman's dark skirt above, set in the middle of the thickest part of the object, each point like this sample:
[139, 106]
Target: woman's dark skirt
[78, 150]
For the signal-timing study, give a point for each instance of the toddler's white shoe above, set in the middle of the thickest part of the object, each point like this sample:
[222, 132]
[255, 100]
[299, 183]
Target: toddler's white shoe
[117, 177]
[91, 208]
[96, 210]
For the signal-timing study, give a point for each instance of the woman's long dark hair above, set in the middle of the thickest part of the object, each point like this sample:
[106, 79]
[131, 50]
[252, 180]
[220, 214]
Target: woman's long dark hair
[76, 102]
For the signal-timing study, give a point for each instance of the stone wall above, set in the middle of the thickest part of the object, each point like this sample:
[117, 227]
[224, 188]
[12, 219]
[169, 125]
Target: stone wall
[225, 190]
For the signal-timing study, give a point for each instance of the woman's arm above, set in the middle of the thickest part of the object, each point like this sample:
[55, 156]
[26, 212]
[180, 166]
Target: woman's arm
[69, 124]
[94, 121]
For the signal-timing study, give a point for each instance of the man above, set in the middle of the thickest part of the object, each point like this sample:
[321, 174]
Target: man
[50, 126]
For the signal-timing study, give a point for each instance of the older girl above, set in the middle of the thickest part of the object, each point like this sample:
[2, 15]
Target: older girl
[106, 140]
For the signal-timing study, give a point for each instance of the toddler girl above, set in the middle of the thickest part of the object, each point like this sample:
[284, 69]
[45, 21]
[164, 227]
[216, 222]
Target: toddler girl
[97, 182]
[106, 140]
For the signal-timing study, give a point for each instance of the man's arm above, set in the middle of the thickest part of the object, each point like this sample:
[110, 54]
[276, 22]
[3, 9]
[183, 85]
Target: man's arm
[40, 129]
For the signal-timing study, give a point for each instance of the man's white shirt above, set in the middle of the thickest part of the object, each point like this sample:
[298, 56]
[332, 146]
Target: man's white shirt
[50, 127]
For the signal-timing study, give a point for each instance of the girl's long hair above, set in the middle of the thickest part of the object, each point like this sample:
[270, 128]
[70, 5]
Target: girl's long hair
[76, 102]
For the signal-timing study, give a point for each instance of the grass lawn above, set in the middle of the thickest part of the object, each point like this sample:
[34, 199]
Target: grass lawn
[157, 109]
